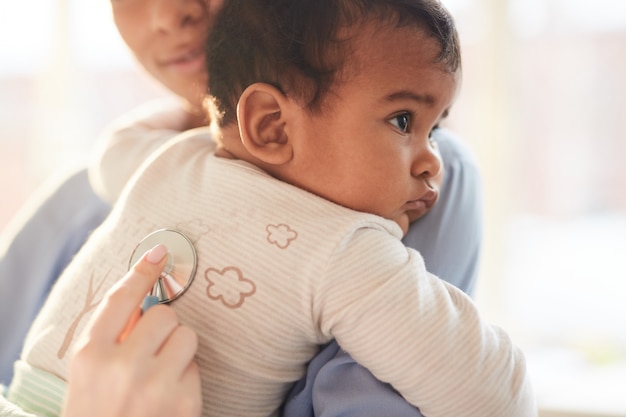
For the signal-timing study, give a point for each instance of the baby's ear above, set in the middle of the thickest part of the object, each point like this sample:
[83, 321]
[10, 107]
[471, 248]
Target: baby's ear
[262, 123]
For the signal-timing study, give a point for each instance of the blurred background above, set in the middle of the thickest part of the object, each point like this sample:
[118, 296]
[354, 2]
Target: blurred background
[543, 107]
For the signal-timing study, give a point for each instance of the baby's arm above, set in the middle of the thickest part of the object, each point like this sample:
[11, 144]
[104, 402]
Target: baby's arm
[422, 335]
[129, 140]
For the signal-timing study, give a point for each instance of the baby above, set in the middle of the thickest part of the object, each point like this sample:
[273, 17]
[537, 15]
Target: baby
[319, 158]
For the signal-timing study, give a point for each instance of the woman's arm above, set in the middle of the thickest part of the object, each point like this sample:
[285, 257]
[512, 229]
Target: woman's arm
[49, 229]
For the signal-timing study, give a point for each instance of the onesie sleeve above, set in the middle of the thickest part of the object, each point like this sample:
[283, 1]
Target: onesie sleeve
[420, 334]
[128, 141]
[8, 409]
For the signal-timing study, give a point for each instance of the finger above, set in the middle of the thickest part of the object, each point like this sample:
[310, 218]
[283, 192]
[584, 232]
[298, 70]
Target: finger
[121, 302]
[132, 321]
[152, 331]
[178, 351]
[190, 403]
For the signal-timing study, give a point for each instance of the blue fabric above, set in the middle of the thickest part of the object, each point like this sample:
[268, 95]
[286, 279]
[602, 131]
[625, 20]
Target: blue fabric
[448, 237]
[34, 251]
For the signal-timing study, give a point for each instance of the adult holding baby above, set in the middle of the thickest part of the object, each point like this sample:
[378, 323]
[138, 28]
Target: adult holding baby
[451, 232]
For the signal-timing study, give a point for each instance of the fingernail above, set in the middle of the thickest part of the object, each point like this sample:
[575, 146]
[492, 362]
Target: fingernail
[156, 254]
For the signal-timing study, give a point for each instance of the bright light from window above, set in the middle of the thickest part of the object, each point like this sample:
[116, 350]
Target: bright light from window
[25, 36]
[95, 38]
[530, 17]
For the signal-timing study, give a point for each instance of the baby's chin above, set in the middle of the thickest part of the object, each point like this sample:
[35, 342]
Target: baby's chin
[406, 218]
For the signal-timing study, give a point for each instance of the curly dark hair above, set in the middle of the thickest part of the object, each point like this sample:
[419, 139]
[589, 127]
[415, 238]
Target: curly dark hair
[296, 45]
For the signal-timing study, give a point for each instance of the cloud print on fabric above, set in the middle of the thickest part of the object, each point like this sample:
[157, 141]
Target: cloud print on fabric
[280, 235]
[228, 286]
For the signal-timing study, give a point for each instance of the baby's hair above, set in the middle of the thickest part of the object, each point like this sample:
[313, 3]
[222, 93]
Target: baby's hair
[299, 46]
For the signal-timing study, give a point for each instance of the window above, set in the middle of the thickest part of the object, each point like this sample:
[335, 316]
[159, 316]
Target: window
[64, 74]
[543, 106]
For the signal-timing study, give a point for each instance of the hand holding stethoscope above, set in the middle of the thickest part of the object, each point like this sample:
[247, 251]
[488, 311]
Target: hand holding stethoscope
[123, 365]
[179, 270]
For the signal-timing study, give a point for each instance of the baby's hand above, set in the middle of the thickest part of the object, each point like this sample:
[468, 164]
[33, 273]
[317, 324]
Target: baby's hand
[130, 366]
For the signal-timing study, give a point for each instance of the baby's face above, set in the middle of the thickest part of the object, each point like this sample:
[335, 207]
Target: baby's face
[167, 37]
[371, 150]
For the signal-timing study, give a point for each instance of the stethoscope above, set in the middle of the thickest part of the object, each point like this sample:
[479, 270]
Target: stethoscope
[179, 270]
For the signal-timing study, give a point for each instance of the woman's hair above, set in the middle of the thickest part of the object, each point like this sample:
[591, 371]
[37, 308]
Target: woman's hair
[299, 46]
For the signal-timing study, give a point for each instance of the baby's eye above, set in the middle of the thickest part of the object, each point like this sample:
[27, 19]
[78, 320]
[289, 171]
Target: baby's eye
[401, 122]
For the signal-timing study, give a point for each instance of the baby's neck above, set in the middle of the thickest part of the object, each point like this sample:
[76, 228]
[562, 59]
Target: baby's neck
[222, 152]
[228, 142]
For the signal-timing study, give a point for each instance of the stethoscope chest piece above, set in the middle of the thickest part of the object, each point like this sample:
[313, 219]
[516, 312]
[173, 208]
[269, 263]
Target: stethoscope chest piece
[181, 263]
